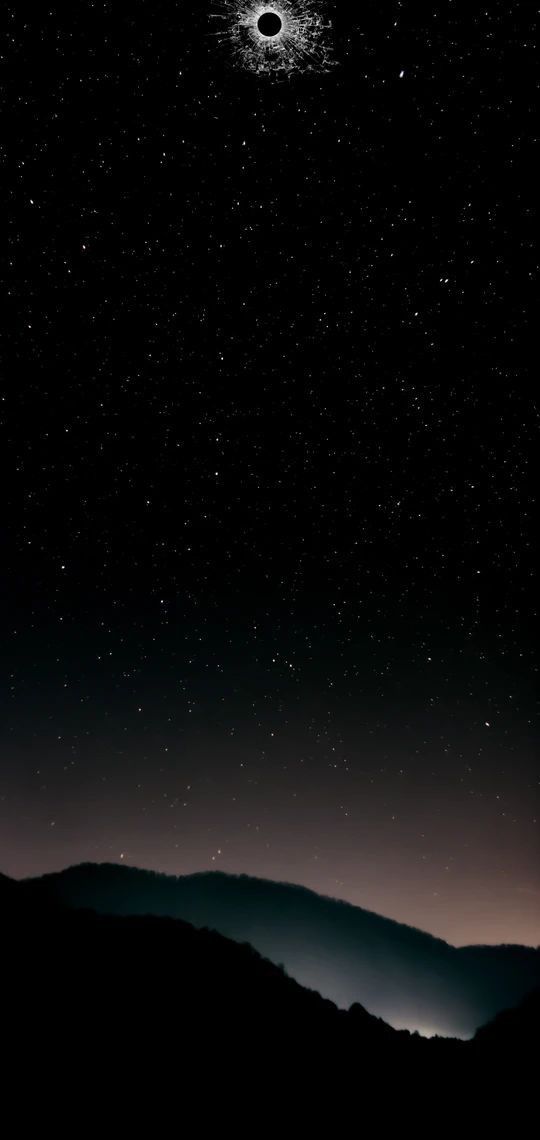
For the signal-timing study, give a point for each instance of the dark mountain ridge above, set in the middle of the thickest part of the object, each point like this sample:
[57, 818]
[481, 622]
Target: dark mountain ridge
[349, 955]
[147, 1021]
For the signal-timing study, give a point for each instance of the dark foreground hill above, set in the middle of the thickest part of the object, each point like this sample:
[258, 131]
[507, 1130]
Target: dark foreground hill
[124, 1016]
[398, 973]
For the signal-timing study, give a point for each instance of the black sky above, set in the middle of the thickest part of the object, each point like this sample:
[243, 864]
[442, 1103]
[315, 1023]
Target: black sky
[269, 564]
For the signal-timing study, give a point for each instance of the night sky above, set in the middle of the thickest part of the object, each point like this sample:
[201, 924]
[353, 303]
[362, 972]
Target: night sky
[268, 589]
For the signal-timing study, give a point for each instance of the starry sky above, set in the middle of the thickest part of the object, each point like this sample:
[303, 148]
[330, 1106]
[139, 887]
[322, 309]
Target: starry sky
[268, 592]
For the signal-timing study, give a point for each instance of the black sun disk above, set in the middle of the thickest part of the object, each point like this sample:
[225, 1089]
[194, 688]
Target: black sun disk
[269, 24]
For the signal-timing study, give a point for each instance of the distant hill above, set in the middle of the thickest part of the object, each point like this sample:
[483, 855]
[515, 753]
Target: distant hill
[144, 1024]
[157, 991]
[347, 954]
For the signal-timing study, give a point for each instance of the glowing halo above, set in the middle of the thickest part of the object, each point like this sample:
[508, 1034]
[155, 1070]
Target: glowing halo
[274, 38]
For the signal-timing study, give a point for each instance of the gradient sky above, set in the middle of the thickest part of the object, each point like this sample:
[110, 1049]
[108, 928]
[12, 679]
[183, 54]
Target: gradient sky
[268, 582]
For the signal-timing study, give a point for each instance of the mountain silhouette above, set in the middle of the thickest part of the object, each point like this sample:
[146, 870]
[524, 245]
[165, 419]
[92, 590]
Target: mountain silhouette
[514, 1031]
[147, 1024]
[157, 992]
[349, 955]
